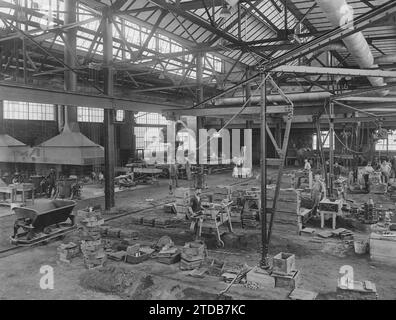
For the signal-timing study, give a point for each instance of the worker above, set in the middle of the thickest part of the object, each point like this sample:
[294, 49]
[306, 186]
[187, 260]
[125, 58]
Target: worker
[393, 162]
[337, 171]
[93, 176]
[188, 169]
[101, 177]
[195, 202]
[368, 169]
[316, 193]
[195, 212]
[51, 180]
[173, 177]
[385, 171]
[17, 178]
[307, 165]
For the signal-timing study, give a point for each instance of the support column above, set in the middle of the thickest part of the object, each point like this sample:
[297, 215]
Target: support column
[331, 147]
[2, 126]
[200, 98]
[70, 53]
[127, 145]
[108, 113]
[264, 263]
[248, 94]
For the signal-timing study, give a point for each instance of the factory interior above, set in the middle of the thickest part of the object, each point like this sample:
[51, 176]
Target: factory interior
[197, 149]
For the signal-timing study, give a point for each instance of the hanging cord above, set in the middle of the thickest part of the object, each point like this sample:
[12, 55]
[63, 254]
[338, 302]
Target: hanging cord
[244, 106]
[346, 147]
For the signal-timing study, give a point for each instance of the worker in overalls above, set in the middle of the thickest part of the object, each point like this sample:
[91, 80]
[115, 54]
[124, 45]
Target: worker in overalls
[196, 212]
[316, 193]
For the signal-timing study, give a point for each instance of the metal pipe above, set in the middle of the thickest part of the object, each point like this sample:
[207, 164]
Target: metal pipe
[340, 14]
[295, 97]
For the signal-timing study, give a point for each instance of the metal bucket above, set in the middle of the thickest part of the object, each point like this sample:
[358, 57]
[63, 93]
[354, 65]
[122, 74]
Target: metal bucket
[360, 247]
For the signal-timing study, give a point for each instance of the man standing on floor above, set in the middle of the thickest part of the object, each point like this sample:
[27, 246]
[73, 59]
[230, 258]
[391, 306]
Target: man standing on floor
[51, 179]
[173, 178]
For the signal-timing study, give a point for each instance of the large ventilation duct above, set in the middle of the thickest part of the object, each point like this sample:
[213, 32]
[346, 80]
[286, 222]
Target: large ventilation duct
[339, 13]
[275, 98]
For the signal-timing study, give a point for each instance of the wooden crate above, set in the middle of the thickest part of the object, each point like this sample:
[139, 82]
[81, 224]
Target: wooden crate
[135, 260]
[284, 263]
[287, 281]
[383, 248]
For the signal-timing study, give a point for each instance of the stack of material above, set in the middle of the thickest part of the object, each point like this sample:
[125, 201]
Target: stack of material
[169, 254]
[164, 222]
[251, 210]
[68, 251]
[91, 244]
[182, 201]
[192, 255]
[284, 271]
[137, 219]
[343, 234]
[136, 254]
[149, 221]
[94, 253]
[222, 193]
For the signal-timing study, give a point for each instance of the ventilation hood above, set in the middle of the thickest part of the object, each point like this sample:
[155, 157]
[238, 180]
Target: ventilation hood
[9, 148]
[70, 148]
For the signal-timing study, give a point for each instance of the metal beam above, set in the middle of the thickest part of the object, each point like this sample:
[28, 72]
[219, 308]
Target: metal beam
[216, 112]
[48, 96]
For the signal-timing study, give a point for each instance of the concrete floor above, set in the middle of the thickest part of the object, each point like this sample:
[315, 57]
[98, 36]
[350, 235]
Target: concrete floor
[318, 261]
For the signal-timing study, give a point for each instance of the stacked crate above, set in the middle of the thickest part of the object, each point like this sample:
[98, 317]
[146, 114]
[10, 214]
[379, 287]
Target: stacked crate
[91, 239]
[192, 255]
[68, 251]
[182, 201]
[251, 210]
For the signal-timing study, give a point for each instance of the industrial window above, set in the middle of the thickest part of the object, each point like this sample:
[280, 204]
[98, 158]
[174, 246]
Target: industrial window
[120, 115]
[28, 111]
[146, 136]
[381, 144]
[150, 118]
[325, 135]
[86, 114]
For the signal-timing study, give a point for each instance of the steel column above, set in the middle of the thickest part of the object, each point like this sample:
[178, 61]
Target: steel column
[70, 54]
[331, 148]
[200, 96]
[108, 113]
[264, 263]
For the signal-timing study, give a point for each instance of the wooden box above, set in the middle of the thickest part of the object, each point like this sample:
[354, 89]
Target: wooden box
[135, 260]
[383, 248]
[284, 263]
[287, 281]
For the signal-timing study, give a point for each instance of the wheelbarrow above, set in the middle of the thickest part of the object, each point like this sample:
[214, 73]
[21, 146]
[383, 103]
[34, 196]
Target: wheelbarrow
[42, 221]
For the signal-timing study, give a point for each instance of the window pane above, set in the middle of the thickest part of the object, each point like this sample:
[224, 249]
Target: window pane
[85, 114]
[28, 111]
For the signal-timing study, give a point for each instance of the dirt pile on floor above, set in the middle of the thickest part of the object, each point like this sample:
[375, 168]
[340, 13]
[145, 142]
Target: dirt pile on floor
[129, 285]
[113, 280]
